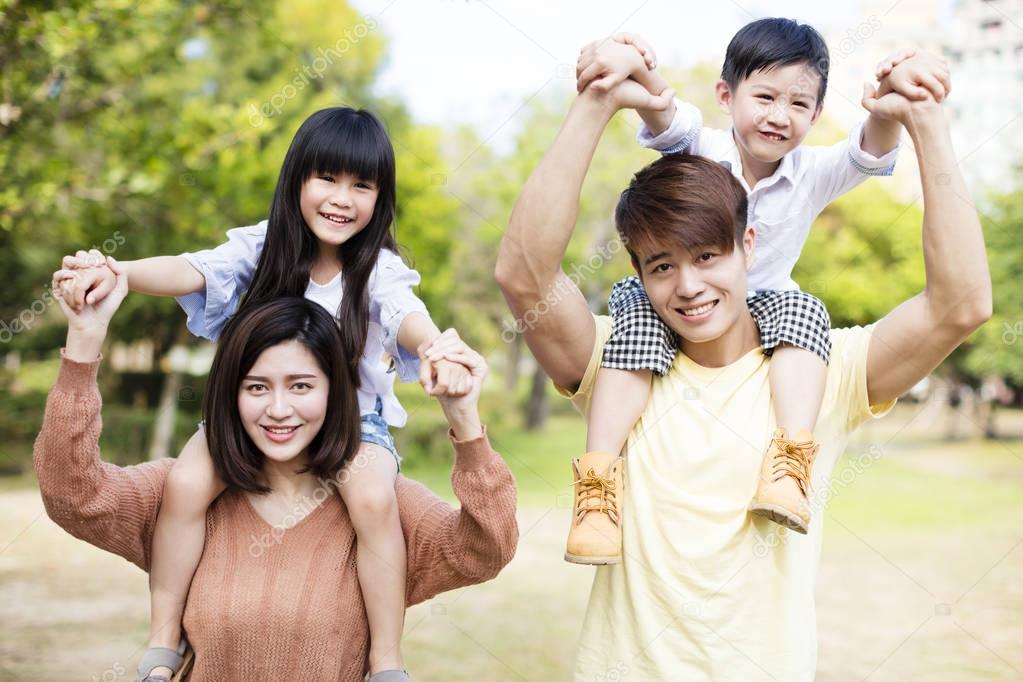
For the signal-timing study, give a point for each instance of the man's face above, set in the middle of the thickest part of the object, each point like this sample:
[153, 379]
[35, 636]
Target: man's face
[702, 294]
[772, 110]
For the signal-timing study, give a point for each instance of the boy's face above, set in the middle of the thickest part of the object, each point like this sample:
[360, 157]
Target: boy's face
[772, 111]
[700, 295]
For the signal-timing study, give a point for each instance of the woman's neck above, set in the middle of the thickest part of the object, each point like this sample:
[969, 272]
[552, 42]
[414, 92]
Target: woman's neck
[286, 481]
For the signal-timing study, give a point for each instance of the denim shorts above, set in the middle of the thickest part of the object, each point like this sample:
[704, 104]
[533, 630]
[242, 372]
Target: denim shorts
[376, 431]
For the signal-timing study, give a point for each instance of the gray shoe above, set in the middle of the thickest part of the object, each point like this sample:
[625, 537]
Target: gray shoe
[160, 656]
[389, 676]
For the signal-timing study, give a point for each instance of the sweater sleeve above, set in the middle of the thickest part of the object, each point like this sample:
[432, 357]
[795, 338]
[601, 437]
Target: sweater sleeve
[111, 507]
[450, 548]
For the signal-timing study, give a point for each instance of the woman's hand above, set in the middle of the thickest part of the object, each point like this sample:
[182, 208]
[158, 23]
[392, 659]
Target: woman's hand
[462, 411]
[87, 325]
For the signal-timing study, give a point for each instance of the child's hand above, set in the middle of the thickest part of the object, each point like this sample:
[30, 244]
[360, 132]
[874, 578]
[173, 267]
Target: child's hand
[603, 64]
[885, 66]
[452, 349]
[91, 316]
[640, 43]
[85, 278]
[894, 106]
[631, 95]
[916, 76]
[440, 375]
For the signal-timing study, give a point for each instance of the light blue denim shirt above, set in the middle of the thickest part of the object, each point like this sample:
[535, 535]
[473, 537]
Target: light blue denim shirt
[229, 269]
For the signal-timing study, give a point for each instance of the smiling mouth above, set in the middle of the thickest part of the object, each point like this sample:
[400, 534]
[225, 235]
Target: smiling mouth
[774, 137]
[278, 429]
[337, 220]
[699, 310]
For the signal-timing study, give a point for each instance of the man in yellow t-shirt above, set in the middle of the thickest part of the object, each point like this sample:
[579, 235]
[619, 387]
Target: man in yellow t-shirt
[704, 590]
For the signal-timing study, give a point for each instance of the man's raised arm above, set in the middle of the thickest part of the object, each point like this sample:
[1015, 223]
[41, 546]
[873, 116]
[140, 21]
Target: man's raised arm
[916, 336]
[548, 307]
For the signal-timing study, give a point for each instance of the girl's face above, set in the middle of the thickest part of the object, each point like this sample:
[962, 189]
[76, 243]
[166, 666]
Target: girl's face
[337, 207]
[282, 401]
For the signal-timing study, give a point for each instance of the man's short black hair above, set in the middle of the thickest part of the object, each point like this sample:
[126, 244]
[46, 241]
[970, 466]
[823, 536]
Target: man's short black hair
[775, 42]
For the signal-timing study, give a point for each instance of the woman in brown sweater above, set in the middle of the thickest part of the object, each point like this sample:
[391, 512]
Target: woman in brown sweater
[276, 595]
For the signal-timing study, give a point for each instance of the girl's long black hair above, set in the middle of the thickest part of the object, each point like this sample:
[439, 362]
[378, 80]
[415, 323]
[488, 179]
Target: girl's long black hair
[336, 140]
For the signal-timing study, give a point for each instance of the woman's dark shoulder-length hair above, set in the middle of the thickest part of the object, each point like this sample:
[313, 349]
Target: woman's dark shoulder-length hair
[251, 331]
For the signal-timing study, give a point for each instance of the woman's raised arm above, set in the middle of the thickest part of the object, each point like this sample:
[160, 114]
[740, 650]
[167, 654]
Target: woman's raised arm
[111, 507]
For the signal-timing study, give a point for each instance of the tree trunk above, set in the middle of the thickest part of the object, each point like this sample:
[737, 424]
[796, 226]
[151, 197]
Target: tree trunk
[166, 415]
[511, 376]
[167, 410]
[536, 408]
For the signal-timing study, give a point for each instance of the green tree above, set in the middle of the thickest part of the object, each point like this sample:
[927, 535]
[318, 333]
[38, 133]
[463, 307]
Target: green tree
[150, 128]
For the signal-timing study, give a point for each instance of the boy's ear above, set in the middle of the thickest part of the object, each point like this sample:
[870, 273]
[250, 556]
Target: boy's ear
[816, 114]
[723, 94]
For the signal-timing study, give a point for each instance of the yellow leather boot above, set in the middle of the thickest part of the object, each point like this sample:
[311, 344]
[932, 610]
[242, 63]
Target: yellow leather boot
[785, 480]
[596, 533]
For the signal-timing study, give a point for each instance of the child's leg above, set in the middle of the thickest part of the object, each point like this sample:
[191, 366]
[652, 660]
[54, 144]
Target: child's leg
[640, 344]
[372, 505]
[619, 397]
[795, 330]
[798, 378]
[178, 539]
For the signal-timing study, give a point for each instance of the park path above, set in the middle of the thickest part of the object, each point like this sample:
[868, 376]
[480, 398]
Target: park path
[930, 606]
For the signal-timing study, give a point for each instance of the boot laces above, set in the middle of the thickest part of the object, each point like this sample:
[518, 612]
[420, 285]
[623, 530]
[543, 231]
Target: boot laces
[596, 494]
[794, 459]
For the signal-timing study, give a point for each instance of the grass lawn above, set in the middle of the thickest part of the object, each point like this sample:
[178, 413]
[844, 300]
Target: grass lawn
[919, 577]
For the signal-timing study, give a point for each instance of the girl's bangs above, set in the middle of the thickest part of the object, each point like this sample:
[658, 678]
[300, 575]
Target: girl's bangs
[346, 145]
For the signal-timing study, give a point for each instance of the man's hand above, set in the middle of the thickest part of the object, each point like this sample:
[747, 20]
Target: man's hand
[916, 76]
[903, 103]
[603, 64]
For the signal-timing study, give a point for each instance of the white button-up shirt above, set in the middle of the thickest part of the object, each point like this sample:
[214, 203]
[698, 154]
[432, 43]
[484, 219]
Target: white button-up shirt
[782, 207]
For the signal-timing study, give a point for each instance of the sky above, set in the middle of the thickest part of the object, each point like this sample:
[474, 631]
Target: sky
[479, 61]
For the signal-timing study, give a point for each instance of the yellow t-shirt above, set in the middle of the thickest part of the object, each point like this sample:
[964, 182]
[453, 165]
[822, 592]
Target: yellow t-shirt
[706, 591]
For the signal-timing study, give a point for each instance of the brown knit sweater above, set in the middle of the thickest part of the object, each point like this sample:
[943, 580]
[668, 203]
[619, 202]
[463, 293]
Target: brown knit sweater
[266, 604]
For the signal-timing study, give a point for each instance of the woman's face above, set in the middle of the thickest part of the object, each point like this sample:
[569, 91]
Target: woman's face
[282, 401]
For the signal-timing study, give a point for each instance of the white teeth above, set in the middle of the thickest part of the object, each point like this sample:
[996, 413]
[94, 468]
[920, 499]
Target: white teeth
[280, 429]
[337, 221]
[692, 312]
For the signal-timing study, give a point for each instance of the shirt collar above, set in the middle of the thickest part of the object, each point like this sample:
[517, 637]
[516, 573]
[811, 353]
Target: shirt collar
[786, 169]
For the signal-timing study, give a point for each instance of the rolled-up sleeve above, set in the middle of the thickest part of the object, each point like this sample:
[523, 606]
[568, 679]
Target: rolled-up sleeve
[867, 163]
[391, 299]
[680, 136]
[228, 270]
[844, 165]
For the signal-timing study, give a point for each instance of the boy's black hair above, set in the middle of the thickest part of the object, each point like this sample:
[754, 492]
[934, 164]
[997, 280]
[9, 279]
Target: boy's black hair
[774, 42]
